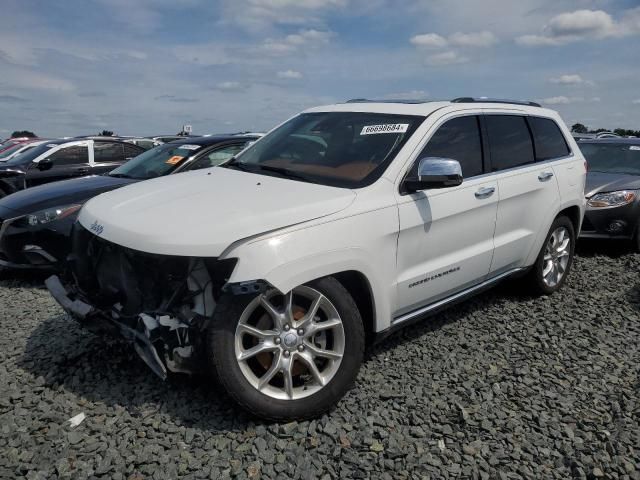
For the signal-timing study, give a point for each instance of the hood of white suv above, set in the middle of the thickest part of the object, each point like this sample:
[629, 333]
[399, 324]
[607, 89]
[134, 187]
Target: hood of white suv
[201, 213]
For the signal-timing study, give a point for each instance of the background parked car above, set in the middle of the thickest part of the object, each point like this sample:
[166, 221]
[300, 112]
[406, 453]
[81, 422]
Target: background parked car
[36, 223]
[171, 138]
[63, 159]
[15, 141]
[19, 148]
[612, 190]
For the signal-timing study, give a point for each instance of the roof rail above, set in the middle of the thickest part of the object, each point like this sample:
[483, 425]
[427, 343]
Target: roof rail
[366, 100]
[494, 100]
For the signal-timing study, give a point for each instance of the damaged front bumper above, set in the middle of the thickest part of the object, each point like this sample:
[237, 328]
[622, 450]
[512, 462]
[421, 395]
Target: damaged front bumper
[161, 304]
[98, 321]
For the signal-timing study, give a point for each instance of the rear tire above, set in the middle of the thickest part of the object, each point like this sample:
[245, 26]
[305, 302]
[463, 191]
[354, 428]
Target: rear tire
[287, 363]
[551, 269]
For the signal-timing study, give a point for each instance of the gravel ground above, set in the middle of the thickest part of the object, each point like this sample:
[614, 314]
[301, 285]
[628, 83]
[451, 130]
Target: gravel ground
[499, 387]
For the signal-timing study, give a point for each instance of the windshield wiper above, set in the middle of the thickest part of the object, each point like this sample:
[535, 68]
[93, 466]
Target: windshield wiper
[285, 172]
[120, 175]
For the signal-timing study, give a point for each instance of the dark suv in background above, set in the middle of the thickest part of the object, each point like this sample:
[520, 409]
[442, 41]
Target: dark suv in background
[63, 159]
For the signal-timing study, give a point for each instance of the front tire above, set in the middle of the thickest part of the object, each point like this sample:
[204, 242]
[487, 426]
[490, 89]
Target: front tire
[287, 357]
[554, 261]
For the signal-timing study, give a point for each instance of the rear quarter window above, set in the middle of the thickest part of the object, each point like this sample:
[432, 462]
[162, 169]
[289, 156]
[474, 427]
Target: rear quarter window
[548, 139]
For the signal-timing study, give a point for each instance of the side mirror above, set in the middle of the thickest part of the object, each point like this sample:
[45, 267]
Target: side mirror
[434, 172]
[45, 164]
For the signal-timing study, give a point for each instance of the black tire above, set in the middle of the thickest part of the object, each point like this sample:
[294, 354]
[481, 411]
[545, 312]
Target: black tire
[225, 369]
[534, 278]
[635, 241]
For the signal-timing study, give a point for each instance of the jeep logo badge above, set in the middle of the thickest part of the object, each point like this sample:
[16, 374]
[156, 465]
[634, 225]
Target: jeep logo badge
[96, 228]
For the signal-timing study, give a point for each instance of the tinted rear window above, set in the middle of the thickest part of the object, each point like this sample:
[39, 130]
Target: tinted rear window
[548, 139]
[510, 141]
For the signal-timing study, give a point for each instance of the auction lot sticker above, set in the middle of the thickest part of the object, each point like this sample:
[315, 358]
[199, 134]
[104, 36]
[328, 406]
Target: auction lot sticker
[173, 160]
[388, 128]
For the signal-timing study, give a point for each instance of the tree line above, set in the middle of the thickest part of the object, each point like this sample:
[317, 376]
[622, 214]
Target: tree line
[623, 132]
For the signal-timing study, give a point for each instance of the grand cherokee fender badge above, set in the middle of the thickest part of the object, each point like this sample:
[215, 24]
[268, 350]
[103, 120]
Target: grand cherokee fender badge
[434, 277]
[96, 228]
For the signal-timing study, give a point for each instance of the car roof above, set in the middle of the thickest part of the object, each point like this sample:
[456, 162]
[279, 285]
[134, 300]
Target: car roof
[213, 139]
[424, 108]
[614, 141]
[60, 141]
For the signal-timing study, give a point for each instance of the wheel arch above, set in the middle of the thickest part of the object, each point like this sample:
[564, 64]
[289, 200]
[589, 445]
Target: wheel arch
[356, 274]
[359, 288]
[574, 214]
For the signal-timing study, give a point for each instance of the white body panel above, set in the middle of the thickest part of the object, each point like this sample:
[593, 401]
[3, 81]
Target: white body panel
[288, 233]
[526, 202]
[445, 241]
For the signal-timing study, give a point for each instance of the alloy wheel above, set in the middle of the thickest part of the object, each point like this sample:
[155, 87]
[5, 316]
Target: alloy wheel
[289, 346]
[556, 257]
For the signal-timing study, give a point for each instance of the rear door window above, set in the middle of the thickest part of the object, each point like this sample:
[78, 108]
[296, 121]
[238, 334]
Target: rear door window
[108, 152]
[131, 151]
[548, 139]
[510, 141]
[76, 155]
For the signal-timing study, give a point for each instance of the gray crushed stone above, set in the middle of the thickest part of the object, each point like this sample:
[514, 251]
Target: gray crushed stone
[502, 386]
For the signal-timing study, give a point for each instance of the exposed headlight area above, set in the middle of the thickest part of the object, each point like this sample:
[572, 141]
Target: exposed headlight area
[162, 303]
[612, 199]
[51, 214]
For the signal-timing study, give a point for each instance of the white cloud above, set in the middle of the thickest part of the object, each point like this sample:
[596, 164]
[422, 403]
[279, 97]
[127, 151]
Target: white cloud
[581, 25]
[230, 87]
[409, 95]
[563, 100]
[294, 42]
[429, 40]
[636, 101]
[458, 39]
[560, 100]
[593, 23]
[259, 15]
[568, 79]
[18, 78]
[478, 39]
[446, 58]
[290, 74]
[538, 41]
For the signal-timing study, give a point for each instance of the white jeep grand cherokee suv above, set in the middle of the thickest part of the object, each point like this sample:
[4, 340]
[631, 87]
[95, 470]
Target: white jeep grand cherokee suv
[344, 223]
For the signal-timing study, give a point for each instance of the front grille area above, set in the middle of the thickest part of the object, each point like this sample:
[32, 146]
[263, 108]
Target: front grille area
[111, 275]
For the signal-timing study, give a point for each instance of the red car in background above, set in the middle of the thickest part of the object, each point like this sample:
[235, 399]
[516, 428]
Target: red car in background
[10, 142]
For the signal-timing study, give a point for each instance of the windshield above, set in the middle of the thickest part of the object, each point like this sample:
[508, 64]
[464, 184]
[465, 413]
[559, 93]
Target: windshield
[156, 162]
[342, 149]
[612, 157]
[30, 155]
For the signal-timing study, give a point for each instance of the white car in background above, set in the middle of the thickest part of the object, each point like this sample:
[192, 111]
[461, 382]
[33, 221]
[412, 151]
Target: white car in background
[346, 222]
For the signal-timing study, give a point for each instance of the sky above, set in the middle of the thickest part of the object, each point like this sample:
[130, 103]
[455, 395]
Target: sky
[147, 67]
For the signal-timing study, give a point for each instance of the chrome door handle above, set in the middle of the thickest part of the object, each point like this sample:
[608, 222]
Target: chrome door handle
[544, 176]
[485, 192]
